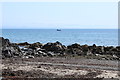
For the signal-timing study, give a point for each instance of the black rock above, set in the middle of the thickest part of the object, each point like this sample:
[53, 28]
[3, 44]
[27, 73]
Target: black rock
[9, 49]
[35, 45]
[74, 46]
[23, 44]
[54, 47]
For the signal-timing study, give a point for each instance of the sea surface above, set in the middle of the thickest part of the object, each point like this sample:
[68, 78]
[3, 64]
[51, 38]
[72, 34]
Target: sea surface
[101, 37]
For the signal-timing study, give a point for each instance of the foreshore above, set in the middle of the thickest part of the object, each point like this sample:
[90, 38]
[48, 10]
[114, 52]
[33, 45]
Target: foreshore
[55, 60]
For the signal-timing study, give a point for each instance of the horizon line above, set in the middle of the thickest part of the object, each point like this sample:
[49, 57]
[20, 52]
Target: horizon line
[60, 28]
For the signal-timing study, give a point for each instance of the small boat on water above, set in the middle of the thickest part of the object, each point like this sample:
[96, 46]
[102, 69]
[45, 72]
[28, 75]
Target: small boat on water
[58, 29]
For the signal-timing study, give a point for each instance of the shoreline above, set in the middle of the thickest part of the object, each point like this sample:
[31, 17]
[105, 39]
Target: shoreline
[27, 50]
[54, 60]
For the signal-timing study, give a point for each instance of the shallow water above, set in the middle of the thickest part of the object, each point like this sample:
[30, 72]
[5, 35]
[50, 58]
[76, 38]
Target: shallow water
[106, 37]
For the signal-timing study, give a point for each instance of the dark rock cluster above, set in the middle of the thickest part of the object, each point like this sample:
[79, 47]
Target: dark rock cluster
[9, 49]
[26, 50]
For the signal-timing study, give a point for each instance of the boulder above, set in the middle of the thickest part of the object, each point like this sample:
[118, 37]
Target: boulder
[94, 46]
[74, 46]
[23, 44]
[108, 48]
[6, 54]
[85, 48]
[51, 54]
[40, 53]
[35, 45]
[29, 56]
[75, 49]
[10, 49]
[54, 47]
[4, 42]
[100, 50]
[118, 47]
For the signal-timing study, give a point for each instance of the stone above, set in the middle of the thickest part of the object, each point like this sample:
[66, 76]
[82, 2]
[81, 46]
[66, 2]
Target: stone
[51, 54]
[26, 50]
[35, 45]
[29, 56]
[94, 45]
[10, 49]
[85, 48]
[6, 53]
[54, 47]
[23, 44]
[74, 46]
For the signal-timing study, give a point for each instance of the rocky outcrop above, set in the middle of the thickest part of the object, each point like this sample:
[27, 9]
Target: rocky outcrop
[27, 50]
[9, 49]
[94, 50]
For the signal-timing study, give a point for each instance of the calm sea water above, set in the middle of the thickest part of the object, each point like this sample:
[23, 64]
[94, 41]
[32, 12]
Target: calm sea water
[106, 37]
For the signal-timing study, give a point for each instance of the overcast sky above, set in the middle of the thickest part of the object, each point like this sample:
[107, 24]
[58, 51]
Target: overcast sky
[85, 15]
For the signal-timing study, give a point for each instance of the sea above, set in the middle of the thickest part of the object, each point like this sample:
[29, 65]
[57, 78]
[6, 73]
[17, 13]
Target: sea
[100, 37]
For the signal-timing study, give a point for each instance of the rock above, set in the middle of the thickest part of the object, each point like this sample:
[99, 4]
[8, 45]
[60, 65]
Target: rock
[114, 49]
[108, 48]
[1, 38]
[23, 44]
[29, 56]
[51, 54]
[54, 47]
[57, 42]
[74, 46]
[35, 45]
[85, 48]
[89, 52]
[100, 50]
[24, 49]
[97, 49]
[78, 51]
[40, 53]
[118, 47]
[75, 49]
[10, 49]
[37, 49]
[44, 54]
[6, 54]
[94, 46]
[4, 42]
[39, 66]
[114, 56]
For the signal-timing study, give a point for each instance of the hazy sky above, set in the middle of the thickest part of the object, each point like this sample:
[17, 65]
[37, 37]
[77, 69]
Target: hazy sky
[60, 15]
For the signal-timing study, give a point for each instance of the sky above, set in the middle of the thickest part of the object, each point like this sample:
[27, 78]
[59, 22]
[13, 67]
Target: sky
[52, 15]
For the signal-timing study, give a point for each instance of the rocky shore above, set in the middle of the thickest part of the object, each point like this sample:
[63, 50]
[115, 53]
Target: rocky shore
[25, 61]
[57, 49]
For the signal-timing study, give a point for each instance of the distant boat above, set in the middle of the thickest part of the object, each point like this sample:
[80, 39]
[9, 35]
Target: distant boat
[58, 29]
